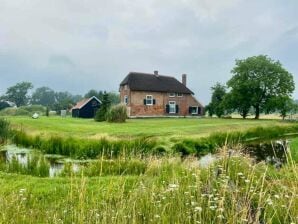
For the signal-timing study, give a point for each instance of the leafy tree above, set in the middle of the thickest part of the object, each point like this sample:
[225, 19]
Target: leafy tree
[114, 98]
[104, 107]
[19, 93]
[216, 105]
[257, 80]
[282, 104]
[63, 101]
[43, 96]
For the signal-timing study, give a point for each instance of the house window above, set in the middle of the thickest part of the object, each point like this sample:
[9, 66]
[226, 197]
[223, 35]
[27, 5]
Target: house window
[194, 110]
[125, 87]
[172, 94]
[126, 99]
[149, 100]
[172, 107]
[179, 94]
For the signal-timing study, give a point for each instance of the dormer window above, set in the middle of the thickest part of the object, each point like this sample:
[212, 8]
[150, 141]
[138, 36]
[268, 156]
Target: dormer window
[172, 94]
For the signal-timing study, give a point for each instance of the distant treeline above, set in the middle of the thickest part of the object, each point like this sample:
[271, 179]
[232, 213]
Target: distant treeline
[19, 96]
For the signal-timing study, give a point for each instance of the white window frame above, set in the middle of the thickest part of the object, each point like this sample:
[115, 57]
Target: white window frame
[172, 103]
[172, 94]
[180, 94]
[148, 99]
[196, 110]
[126, 99]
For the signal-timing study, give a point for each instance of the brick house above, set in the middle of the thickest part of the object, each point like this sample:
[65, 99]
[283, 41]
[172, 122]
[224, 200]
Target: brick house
[149, 95]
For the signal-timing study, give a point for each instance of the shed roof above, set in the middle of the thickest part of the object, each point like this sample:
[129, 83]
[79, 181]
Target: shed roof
[83, 102]
[156, 83]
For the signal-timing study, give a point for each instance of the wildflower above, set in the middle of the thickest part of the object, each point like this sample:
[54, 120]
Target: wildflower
[276, 196]
[247, 181]
[198, 209]
[156, 216]
[269, 201]
[240, 174]
[220, 209]
[220, 216]
[212, 207]
[193, 203]
[173, 185]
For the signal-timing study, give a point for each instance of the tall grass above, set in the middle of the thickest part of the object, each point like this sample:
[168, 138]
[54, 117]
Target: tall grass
[171, 190]
[4, 130]
[36, 166]
[215, 141]
[85, 149]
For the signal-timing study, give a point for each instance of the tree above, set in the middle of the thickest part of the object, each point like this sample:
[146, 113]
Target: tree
[104, 107]
[63, 101]
[282, 104]
[93, 92]
[257, 80]
[19, 93]
[43, 96]
[3, 105]
[216, 106]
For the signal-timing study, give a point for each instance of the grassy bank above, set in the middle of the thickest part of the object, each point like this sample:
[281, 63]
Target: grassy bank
[163, 128]
[234, 190]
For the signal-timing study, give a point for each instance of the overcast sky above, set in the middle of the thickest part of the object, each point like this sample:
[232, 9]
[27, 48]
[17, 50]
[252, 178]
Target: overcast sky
[78, 45]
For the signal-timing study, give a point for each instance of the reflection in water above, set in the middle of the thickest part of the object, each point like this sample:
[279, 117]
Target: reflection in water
[22, 155]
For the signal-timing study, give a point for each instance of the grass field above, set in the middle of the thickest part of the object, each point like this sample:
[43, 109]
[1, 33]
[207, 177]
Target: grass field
[169, 189]
[159, 127]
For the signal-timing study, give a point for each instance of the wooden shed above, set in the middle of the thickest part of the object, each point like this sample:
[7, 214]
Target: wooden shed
[86, 108]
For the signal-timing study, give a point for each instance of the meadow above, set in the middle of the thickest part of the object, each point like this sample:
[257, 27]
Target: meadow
[143, 187]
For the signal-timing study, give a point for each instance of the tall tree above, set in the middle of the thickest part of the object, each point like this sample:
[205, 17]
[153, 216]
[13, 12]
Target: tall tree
[43, 96]
[19, 93]
[104, 107]
[216, 105]
[258, 80]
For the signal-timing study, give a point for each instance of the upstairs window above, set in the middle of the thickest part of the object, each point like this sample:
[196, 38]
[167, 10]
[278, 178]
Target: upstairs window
[179, 94]
[172, 94]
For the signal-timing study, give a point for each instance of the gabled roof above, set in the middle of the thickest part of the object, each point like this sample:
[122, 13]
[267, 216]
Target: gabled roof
[83, 102]
[155, 83]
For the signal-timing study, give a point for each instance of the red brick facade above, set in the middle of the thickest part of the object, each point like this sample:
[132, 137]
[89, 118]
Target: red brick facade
[162, 103]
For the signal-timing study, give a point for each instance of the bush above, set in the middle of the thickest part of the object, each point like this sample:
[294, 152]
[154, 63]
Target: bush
[117, 114]
[23, 111]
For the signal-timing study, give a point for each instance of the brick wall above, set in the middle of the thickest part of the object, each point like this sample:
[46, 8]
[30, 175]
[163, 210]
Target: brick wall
[136, 107]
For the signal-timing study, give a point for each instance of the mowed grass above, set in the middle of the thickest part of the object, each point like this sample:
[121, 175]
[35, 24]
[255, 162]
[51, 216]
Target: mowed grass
[159, 127]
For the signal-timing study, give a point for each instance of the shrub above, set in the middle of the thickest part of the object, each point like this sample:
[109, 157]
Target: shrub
[117, 114]
[23, 111]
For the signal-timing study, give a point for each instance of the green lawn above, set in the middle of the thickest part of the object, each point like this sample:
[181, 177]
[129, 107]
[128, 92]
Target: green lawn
[160, 127]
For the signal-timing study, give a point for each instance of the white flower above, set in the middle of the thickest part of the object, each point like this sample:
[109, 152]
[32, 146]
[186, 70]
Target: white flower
[240, 174]
[276, 196]
[198, 209]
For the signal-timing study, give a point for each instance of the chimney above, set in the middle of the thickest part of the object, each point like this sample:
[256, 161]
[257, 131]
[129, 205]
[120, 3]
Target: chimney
[156, 73]
[184, 79]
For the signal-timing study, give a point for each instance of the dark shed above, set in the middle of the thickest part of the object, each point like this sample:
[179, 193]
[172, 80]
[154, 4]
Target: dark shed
[86, 108]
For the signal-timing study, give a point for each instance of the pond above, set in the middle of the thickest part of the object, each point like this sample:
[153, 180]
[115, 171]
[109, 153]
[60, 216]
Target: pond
[272, 152]
[56, 163]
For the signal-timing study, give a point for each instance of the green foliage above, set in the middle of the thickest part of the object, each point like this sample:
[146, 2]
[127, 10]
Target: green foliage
[257, 81]
[19, 93]
[43, 96]
[4, 130]
[87, 149]
[117, 114]
[36, 166]
[104, 107]
[23, 111]
[113, 97]
[216, 106]
[63, 101]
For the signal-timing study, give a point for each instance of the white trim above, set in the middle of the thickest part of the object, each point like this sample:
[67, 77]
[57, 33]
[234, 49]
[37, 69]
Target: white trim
[149, 104]
[173, 103]
[91, 98]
